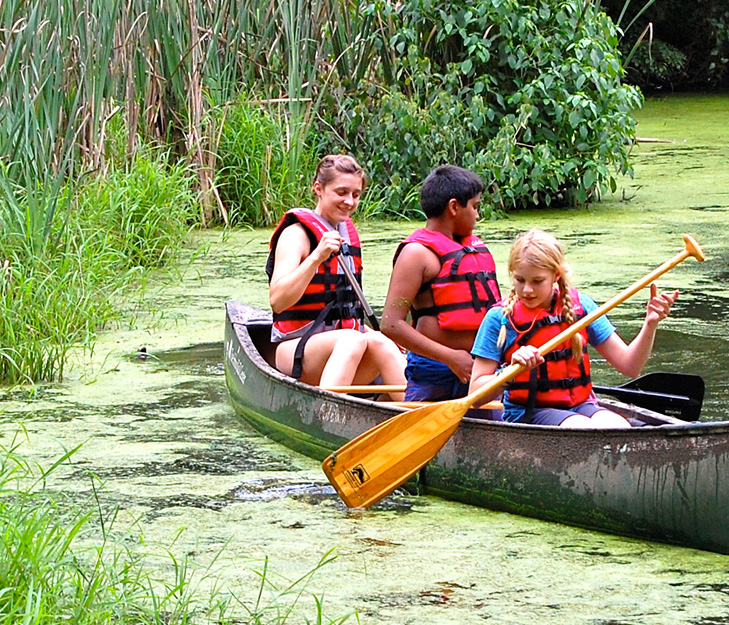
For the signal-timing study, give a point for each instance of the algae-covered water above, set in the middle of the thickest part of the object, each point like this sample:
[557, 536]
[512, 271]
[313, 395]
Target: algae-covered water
[156, 429]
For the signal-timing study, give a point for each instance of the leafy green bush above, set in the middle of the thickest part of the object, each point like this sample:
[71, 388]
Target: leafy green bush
[686, 46]
[256, 181]
[528, 94]
[140, 210]
[657, 64]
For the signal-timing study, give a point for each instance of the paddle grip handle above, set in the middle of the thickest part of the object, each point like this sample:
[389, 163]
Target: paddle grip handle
[509, 373]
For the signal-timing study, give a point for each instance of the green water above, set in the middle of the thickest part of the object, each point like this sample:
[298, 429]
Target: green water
[159, 433]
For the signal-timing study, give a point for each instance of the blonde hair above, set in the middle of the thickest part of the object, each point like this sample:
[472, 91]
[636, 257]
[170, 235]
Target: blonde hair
[540, 249]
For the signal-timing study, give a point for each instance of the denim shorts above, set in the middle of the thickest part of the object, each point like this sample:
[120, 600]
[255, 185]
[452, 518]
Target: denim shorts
[431, 380]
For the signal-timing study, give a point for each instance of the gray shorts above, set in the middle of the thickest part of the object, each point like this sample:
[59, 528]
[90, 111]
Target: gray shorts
[555, 416]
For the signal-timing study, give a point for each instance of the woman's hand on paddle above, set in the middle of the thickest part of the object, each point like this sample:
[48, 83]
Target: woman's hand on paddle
[659, 305]
[527, 356]
[330, 243]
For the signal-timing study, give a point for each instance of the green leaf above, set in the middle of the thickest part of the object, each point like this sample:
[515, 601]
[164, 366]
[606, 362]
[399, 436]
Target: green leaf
[589, 179]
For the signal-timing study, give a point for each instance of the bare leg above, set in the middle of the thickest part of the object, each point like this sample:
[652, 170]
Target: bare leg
[601, 419]
[577, 421]
[344, 357]
[383, 357]
[343, 349]
[609, 419]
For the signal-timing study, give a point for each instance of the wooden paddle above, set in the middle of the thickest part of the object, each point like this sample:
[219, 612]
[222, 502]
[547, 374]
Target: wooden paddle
[679, 395]
[375, 463]
[366, 389]
[492, 405]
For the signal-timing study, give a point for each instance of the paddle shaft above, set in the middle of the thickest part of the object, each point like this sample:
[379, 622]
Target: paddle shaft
[510, 372]
[366, 388]
[631, 393]
[687, 407]
[360, 294]
[492, 405]
[372, 389]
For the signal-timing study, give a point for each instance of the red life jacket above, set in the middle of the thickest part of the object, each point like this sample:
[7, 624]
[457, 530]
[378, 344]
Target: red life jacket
[466, 286]
[559, 382]
[329, 289]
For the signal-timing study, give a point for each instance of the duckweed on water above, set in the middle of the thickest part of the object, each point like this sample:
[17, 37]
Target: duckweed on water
[65, 561]
[173, 455]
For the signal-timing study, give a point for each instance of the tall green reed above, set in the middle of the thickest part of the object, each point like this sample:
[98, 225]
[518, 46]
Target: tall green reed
[164, 64]
[110, 229]
[254, 175]
[140, 210]
[65, 560]
[70, 69]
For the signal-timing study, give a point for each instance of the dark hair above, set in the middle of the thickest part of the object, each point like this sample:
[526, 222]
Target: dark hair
[334, 164]
[445, 183]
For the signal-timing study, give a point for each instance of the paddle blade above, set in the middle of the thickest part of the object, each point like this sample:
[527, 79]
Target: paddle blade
[679, 395]
[679, 406]
[687, 384]
[375, 463]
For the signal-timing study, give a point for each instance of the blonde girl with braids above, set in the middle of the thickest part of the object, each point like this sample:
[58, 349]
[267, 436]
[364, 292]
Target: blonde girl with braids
[556, 390]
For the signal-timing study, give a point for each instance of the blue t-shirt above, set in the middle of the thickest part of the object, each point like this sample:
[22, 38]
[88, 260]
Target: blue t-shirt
[485, 345]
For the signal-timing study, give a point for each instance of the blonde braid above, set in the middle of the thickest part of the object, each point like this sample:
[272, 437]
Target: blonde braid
[509, 302]
[569, 314]
[541, 249]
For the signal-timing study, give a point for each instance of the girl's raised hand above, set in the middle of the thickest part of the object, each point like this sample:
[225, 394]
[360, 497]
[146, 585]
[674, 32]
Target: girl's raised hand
[659, 305]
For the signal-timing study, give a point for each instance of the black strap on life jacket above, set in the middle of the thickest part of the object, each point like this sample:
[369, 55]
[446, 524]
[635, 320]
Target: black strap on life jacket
[473, 278]
[342, 304]
[539, 380]
[476, 302]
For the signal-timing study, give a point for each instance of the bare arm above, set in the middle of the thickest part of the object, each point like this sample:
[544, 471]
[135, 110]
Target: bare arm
[295, 267]
[630, 359]
[484, 370]
[408, 275]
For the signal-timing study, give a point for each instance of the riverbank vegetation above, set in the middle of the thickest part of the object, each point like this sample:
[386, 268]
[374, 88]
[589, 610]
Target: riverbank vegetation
[685, 44]
[123, 124]
[67, 561]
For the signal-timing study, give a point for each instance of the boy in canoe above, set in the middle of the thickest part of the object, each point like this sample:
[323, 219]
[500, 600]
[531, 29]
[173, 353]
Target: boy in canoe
[444, 277]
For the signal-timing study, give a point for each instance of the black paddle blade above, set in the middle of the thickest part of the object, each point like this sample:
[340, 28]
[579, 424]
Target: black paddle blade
[678, 395]
[686, 384]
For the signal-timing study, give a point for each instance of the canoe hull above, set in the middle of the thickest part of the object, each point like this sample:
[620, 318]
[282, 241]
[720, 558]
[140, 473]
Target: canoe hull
[666, 483]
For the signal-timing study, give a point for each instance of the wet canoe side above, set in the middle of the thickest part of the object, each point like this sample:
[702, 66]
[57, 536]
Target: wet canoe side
[666, 483]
